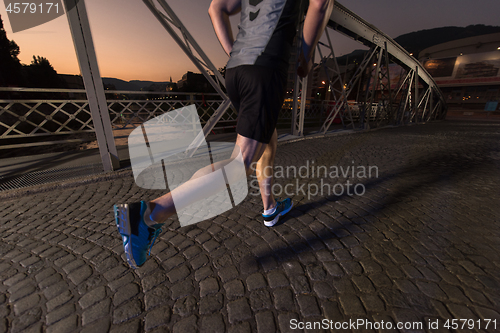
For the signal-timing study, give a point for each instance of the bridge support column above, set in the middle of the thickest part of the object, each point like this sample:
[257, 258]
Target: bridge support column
[84, 46]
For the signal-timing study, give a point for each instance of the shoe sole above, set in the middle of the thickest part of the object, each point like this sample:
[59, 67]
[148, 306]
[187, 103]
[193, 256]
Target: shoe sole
[276, 219]
[122, 219]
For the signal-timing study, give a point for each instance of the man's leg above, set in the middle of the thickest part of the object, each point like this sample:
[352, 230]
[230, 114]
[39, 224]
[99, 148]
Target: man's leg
[140, 223]
[163, 207]
[273, 209]
[265, 172]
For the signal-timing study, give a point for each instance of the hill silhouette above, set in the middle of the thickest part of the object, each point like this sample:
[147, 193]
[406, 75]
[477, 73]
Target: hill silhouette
[134, 85]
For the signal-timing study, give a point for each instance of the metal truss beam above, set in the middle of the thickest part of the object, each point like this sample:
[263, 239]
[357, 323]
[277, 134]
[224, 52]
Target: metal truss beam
[336, 84]
[347, 22]
[169, 20]
[384, 108]
[298, 112]
[300, 85]
[346, 90]
[375, 85]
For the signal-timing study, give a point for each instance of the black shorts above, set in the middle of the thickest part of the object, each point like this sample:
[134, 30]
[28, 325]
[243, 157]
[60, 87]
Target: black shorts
[257, 93]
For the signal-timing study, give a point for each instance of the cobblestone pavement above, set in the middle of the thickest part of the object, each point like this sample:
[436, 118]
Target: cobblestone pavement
[422, 243]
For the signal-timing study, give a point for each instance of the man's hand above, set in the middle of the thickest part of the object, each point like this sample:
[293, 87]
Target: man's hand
[304, 66]
[317, 16]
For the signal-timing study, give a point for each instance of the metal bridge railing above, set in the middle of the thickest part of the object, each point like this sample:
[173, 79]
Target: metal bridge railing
[37, 115]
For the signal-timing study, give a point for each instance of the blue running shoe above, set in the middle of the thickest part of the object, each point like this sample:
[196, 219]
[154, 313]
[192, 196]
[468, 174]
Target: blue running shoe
[138, 237]
[282, 207]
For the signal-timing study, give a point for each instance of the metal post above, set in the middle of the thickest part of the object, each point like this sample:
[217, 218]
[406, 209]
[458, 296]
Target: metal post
[295, 105]
[84, 46]
[300, 89]
[408, 96]
[387, 103]
[374, 89]
[431, 106]
[415, 110]
[303, 99]
[300, 86]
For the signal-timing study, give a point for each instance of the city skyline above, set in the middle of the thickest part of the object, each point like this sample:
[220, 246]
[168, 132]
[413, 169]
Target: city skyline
[132, 45]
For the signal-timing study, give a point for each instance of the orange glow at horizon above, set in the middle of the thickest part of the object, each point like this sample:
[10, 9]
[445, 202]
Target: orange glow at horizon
[132, 45]
[142, 50]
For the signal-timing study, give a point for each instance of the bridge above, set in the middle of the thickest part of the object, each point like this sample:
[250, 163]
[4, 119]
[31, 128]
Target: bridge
[410, 245]
[367, 100]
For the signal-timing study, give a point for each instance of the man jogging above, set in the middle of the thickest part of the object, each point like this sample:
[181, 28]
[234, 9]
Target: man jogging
[256, 78]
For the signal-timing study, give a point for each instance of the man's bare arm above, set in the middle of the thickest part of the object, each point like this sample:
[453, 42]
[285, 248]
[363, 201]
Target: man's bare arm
[317, 16]
[219, 12]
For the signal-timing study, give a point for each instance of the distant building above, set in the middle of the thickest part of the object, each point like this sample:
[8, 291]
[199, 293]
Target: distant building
[194, 82]
[72, 81]
[467, 71]
[161, 87]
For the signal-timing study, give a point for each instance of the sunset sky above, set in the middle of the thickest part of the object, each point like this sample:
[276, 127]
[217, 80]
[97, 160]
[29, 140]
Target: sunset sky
[132, 45]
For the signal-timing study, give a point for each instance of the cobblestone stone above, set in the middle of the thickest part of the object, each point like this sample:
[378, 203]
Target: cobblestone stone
[212, 324]
[351, 304]
[185, 325]
[256, 281]
[22, 291]
[277, 279]
[209, 286]
[125, 293]
[26, 303]
[156, 296]
[81, 274]
[185, 306]
[210, 304]
[238, 310]
[178, 274]
[100, 326]
[62, 299]
[431, 289]
[118, 283]
[127, 311]
[199, 261]
[283, 299]
[203, 273]
[308, 305]
[59, 314]
[182, 289]
[68, 324]
[157, 317]
[265, 322]
[260, 299]
[284, 321]
[372, 303]
[228, 273]
[92, 297]
[234, 289]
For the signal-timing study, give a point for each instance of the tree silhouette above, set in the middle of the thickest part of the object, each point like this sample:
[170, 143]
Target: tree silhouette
[10, 66]
[41, 74]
